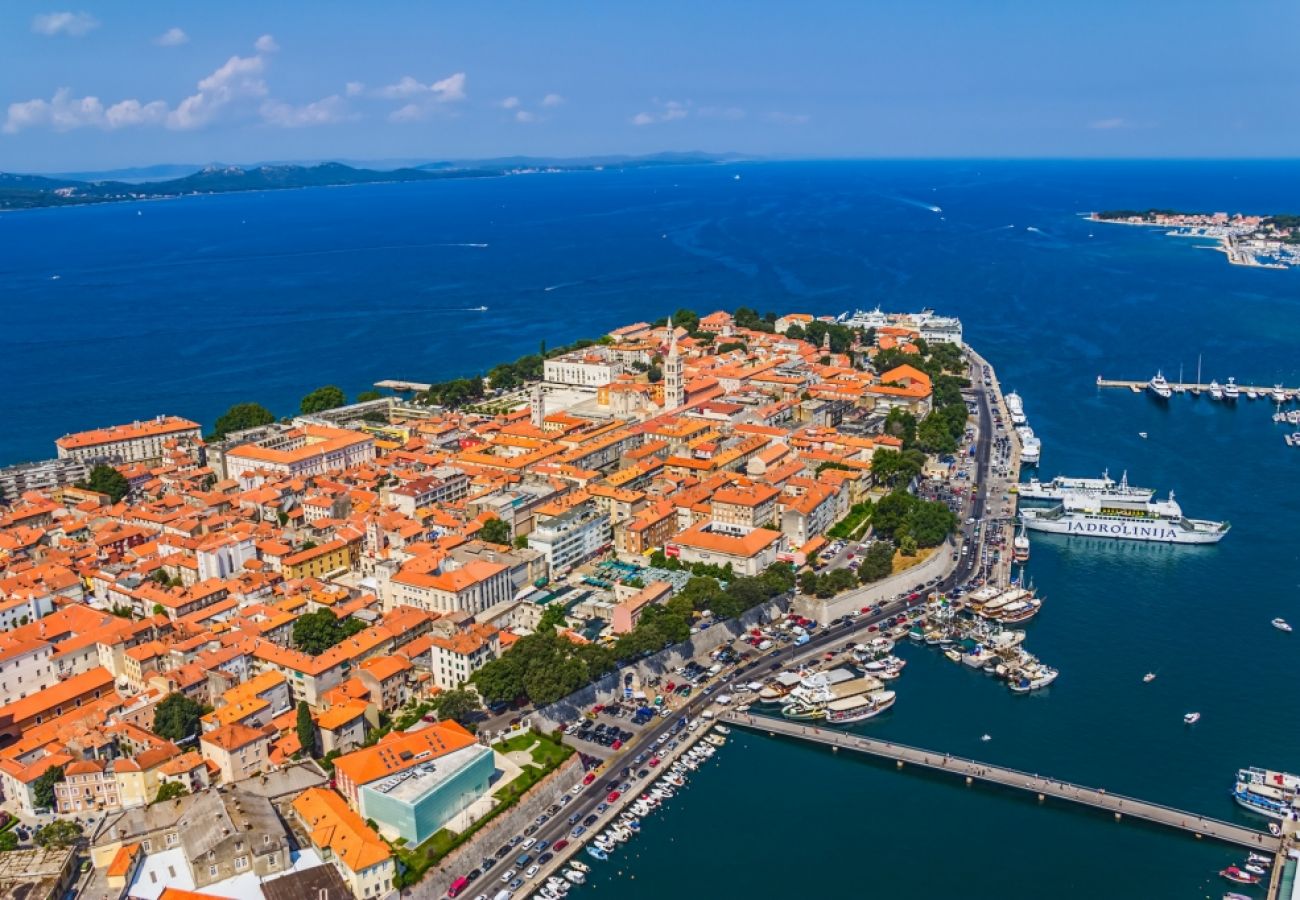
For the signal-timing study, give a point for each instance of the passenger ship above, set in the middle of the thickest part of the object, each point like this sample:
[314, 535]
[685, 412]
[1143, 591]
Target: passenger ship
[1134, 519]
[1058, 487]
[1272, 794]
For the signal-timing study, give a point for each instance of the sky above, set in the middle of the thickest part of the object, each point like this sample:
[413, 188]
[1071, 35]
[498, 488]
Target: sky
[100, 85]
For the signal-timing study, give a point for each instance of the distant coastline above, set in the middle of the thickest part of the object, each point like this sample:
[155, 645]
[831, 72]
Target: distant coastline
[19, 192]
[1262, 242]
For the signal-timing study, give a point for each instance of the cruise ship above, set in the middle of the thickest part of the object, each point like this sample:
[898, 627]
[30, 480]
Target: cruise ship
[1134, 519]
[1272, 794]
[1056, 489]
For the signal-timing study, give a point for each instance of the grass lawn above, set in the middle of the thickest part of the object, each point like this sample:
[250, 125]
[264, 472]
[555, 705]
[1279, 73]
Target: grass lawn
[903, 563]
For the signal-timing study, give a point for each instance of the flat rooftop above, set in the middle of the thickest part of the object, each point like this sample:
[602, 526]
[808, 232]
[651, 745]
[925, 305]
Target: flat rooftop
[425, 778]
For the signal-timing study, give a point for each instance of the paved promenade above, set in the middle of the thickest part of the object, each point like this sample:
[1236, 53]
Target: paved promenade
[973, 770]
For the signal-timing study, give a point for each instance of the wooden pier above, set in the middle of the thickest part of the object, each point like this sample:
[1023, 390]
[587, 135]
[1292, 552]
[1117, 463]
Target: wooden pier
[1191, 387]
[972, 771]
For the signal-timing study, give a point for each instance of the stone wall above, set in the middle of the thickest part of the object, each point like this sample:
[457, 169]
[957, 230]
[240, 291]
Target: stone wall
[939, 565]
[497, 832]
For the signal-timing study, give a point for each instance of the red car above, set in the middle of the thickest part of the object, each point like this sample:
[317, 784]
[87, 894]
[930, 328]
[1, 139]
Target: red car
[590, 777]
[617, 745]
[654, 761]
[613, 795]
[559, 845]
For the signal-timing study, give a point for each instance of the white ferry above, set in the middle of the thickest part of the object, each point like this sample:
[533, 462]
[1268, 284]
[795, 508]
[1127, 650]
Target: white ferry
[1100, 515]
[1272, 794]
[1058, 487]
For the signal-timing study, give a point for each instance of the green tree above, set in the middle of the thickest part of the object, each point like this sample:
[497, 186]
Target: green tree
[159, 609]
[58, 834]
[106, 480]
[877, 562]
[892, 512]
[306, 728]
[367, 396]
[901, 424]
[8, 840]
[553, 617]
[521, 542]
[241, 416]
[458, 704]
[170, 790]
[176, 717]
[495, 531]
[316, 632]
[654, 374]
[907, 545]
[808, 581]
[43, 786]
[321, 399]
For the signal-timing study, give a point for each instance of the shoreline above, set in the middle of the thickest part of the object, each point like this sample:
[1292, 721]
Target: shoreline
[1227, 243]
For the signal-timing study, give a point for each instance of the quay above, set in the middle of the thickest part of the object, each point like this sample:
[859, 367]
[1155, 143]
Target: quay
[973, 771]
[1188, 387]
[996, 487]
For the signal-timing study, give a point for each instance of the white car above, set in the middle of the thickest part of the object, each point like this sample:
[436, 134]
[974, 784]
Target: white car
[528, 843]
[531, 871]
[509, 874]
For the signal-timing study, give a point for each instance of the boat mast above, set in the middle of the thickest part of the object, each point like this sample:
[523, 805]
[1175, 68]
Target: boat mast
[1197, 390]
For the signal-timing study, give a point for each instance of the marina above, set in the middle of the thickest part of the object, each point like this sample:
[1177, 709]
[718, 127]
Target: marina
[1252, 391]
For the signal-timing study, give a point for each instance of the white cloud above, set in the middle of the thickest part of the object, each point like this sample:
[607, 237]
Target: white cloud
[172, 37]
[667, 111]
[449, 90]
[411, 112]
[552, 100]
[1107, 124]
[354, 88]
[784, 118]
[265, 44]
[64, 112]
[73, 24]
[133, 112]
[510, 103]
[325, 111]
[523, 115]
[238, 80]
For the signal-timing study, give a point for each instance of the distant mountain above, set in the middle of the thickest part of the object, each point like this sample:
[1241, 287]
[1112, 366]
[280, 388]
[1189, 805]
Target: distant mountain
[35, 191]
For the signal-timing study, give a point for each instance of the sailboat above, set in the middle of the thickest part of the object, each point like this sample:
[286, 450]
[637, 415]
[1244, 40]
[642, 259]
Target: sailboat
[1196, 391]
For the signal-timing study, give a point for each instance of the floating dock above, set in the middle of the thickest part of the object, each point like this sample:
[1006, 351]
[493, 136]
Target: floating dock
[972, 771]
[1188, 387]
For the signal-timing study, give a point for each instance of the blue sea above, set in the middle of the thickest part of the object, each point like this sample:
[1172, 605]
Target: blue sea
[187, 306]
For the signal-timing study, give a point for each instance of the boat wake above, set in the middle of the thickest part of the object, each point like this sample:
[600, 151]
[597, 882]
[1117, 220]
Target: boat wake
[929, 207]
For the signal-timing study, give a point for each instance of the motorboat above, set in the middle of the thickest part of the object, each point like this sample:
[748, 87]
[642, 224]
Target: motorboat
[1239, 876]
[1281, 624]
[1191, 718]
[1216, 390]
[1034, 679]
[1278, 394]
[1260, 858]
[1254, 869]
[597, 853]
[1148, 677]
[575, 876]
[579, 865]
[1230, 390]
[1233, 895]
[1143, 435]
[1159, 386]
[986, 737]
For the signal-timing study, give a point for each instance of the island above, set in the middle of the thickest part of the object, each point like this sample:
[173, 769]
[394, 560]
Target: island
[1266, 242]
[38, 191]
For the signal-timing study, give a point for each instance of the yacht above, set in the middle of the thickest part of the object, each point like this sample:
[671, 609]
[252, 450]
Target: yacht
[1216, 391]
[1148, 677]
[1251, 395]
[1230, 391]
[1278, 394]
[1031, 448]
[1159, 386]
[1281, 624]
[1015, 408]
[1020, 545]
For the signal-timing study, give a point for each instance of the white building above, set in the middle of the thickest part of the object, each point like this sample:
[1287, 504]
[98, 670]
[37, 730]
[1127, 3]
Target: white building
[138, 442]
[592, 367]
[571, 537]
[224, 556]
[26, 668]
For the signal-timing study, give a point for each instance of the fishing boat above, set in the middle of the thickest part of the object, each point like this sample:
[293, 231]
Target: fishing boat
[1191, 718]
[1034, 679]
[1148, 677]
[1234, 874]
[1281, 624]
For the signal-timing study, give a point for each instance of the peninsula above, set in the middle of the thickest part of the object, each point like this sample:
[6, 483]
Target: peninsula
[1269, 242]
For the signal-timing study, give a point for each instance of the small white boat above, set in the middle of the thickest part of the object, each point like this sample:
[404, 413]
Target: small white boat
[1143, 435]
[1254, 869]
[1281, 624]
[986, 737]
[1148, 677]
[1191, 718]
[579, 865]
[1260, 858]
